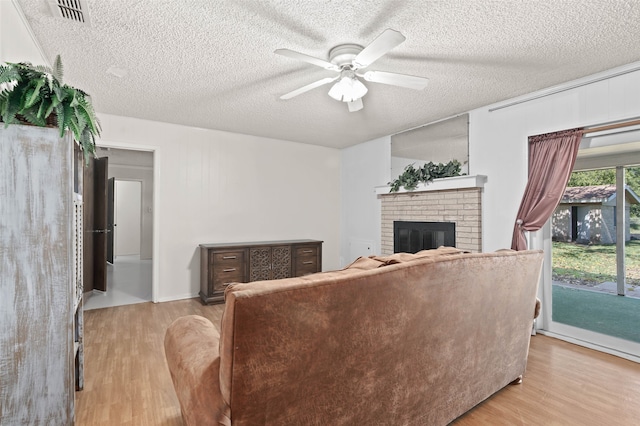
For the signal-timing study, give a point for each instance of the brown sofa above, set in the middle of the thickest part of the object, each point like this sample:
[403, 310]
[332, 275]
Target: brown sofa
[399, 340]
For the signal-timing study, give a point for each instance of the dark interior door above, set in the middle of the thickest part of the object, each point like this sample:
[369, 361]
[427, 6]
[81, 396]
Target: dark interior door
[574, 223]
[94, 196]
[110, 219]
[101, 230]
[88, 207]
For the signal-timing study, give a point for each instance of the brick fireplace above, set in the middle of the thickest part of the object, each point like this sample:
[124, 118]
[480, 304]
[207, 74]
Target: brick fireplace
[457, 200]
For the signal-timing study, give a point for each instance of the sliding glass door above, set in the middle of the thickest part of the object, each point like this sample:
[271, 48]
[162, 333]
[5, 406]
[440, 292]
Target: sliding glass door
[589, 266]
[591, 278]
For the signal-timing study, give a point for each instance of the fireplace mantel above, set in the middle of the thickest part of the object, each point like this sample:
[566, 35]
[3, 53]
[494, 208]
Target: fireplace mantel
[443, 184]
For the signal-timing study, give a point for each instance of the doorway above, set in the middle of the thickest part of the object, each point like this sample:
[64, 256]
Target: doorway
[129, 272]
[588, 294]
[127, 217]
[587, 280]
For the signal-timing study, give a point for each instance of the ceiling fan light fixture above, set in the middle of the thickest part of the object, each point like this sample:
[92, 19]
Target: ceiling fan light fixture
[348, 89]
[349, 60]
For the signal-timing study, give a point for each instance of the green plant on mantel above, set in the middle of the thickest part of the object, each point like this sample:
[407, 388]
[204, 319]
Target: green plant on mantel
[36, 95]
[411, 177]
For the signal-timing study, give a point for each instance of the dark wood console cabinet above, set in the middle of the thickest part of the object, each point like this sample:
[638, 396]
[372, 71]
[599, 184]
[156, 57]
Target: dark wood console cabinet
[226, 263]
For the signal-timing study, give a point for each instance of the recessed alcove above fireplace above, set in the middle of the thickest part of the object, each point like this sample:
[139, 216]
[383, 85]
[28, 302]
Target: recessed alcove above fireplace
[456, 200]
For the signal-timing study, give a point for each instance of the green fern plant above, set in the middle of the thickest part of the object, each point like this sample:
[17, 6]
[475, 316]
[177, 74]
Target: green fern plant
[412, 176]
[36, 95]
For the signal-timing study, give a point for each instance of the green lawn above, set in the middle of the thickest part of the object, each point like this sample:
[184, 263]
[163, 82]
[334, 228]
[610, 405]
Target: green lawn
[594, 264]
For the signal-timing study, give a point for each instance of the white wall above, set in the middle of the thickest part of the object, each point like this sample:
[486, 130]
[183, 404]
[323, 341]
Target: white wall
[128, 221]
[498, 141]
[364, 167]
[16, 44]
[215, 186]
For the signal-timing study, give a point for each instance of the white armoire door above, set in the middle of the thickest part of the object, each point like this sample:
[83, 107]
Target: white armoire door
[36, 276]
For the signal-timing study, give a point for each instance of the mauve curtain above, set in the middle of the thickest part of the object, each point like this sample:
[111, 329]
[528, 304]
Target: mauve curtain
[551, 160]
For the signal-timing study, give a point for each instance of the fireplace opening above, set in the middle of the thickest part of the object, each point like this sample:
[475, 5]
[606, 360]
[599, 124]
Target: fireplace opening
[411, 237]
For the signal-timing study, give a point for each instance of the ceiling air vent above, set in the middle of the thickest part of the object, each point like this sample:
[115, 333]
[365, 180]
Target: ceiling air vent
[73, 10]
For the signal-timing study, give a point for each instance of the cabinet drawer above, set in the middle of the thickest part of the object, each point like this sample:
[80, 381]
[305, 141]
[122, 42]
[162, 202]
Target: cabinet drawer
[227, 267]
[306, 265]
[306, 251]
[227, 259]
[225, 276]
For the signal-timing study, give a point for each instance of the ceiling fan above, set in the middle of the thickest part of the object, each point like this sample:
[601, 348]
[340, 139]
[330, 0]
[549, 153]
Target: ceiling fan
[349, 60]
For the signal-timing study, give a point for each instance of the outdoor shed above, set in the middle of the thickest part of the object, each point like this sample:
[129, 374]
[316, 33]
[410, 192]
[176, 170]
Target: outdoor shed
[587, 214]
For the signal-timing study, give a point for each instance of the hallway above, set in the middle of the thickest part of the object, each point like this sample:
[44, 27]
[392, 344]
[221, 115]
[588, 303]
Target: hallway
[128, 282]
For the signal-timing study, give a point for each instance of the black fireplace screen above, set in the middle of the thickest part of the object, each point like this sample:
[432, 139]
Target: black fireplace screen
[411, 237]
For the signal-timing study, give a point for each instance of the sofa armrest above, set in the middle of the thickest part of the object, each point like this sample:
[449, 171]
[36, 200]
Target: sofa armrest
[191, 347]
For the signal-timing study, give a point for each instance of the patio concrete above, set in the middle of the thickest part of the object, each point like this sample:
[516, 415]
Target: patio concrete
[597, 311]
[606, 287]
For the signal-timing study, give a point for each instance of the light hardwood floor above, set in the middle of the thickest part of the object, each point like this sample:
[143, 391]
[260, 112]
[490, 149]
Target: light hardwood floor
[127, 381]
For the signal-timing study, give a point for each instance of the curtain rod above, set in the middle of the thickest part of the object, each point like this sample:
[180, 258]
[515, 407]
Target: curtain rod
[612, 126]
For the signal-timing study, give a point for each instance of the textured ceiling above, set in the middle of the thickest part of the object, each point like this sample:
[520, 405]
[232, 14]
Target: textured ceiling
[211, 63]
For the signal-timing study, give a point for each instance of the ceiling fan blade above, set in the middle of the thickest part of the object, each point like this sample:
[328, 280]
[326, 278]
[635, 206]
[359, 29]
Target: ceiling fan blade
[355, 105]
[306, 58]
[393, 79]
[378, 47]
[309, 87]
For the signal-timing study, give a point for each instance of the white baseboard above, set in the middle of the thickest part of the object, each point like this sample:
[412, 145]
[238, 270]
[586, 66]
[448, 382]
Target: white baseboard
[583, 343]
[179, 297]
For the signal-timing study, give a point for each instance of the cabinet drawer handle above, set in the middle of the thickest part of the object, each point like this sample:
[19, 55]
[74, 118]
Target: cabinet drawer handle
[308, 262]
[229, 257]
[307, 251]
[229, 270]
